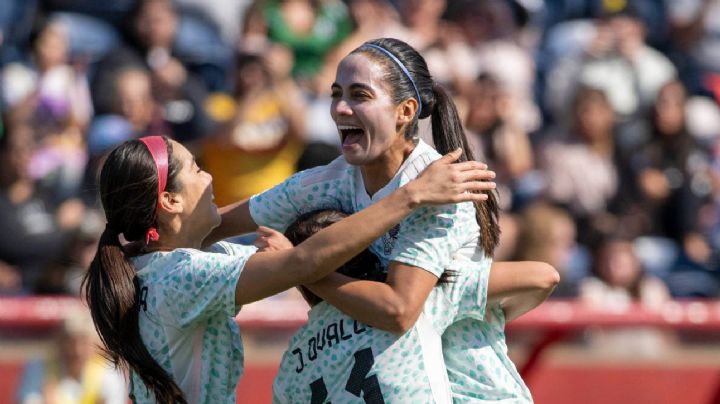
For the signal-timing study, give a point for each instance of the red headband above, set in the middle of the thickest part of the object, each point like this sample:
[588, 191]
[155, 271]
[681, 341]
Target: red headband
[159, 151]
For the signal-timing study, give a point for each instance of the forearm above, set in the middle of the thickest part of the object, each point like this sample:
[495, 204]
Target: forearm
[521, 303]
[373, 303]
[331, 247]
[234, 219]
[520, 286]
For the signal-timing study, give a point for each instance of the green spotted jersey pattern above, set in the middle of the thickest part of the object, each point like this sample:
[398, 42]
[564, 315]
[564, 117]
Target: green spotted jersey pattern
[431, 238]
[187, 309]
[334, 358]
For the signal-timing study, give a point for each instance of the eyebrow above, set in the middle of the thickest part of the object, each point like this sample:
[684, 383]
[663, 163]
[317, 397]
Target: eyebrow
[354, 86]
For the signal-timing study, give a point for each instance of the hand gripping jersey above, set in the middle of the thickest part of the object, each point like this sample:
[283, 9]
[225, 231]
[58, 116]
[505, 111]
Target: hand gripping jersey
[428, 238]
[336, 359]
[187, 310]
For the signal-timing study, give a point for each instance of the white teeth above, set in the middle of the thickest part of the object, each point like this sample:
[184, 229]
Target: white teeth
[348, 127]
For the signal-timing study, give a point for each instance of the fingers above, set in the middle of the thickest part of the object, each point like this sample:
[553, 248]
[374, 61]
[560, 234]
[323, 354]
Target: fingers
[263, 231]
[479, 186]
[471, 197]
[476, 175]
[262, 242]
[271, 240]
[452, 156]
[471, 165]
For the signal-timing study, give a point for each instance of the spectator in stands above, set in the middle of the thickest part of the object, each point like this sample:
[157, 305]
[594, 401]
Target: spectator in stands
[583, 171]
[56, 92]
[175, 86]
[495, 136]
[671, 169]
[673, 175]
[548, 233]
[36, 226]
[619, 280]
[310, 28]
[617, 60]
[54, 97]
[74, 372]
[259, 147]
[695, 35]
[64, 276]
[134, 112]
[710, 215]
[16, 17]
[495, 37]
[371, 19]
[449, 56]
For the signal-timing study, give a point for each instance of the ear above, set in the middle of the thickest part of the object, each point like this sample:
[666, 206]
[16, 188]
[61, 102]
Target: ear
[406, 110]
[171, 202]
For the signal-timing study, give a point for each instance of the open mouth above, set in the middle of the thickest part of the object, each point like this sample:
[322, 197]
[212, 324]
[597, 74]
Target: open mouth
[350, 135]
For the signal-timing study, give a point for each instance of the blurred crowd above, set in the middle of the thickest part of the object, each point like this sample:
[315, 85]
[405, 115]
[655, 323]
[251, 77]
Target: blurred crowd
[600, 118]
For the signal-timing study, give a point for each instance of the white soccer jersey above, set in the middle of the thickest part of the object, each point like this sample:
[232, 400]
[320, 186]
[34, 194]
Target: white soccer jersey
[429, 238]
[478, 365]
[187, 309]
[340, 360]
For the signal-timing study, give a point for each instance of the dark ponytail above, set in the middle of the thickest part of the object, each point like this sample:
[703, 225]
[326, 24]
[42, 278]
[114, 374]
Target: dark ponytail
[448, 135]
[447, 130]
[128, 188]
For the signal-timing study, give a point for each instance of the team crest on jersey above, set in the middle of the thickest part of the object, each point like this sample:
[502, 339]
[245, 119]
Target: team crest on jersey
[389, 239]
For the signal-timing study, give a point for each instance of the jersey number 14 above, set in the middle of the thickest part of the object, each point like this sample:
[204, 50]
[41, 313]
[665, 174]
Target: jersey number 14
[359, 383]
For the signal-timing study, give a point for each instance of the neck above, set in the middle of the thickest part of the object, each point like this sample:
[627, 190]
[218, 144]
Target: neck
[172, 236]
[603, 146]
[377, 174]
[75, 369]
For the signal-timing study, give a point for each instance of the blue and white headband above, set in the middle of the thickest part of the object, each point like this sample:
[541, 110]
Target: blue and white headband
[402, 67]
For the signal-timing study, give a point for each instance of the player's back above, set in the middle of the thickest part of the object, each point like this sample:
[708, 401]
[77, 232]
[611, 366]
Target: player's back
[340, 360]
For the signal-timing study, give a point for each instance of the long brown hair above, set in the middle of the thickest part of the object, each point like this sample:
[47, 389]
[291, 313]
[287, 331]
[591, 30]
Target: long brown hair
[128, 191]
[447, 131]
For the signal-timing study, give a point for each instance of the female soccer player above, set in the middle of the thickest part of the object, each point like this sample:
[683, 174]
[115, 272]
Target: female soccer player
[167, 313]
[381, 91]
[338, 359]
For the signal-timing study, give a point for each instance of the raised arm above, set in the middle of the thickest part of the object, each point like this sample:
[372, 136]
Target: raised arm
[234, 219]
[271, 272]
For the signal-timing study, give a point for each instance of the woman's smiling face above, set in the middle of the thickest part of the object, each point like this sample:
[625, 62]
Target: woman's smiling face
[364, 111]
[200, 212]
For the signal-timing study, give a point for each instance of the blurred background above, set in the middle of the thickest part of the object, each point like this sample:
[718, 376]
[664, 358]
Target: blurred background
[600, 118]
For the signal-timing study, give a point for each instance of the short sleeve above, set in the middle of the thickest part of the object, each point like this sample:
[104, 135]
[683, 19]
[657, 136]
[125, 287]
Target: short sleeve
[325, 187]
[233, 249]
[203, 285]
[430, 236]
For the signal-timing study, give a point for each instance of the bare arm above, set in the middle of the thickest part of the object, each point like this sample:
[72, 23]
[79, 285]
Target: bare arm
[396, 305]
[520, 286]
[268, 273]
[234, 219]
[393, 306]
